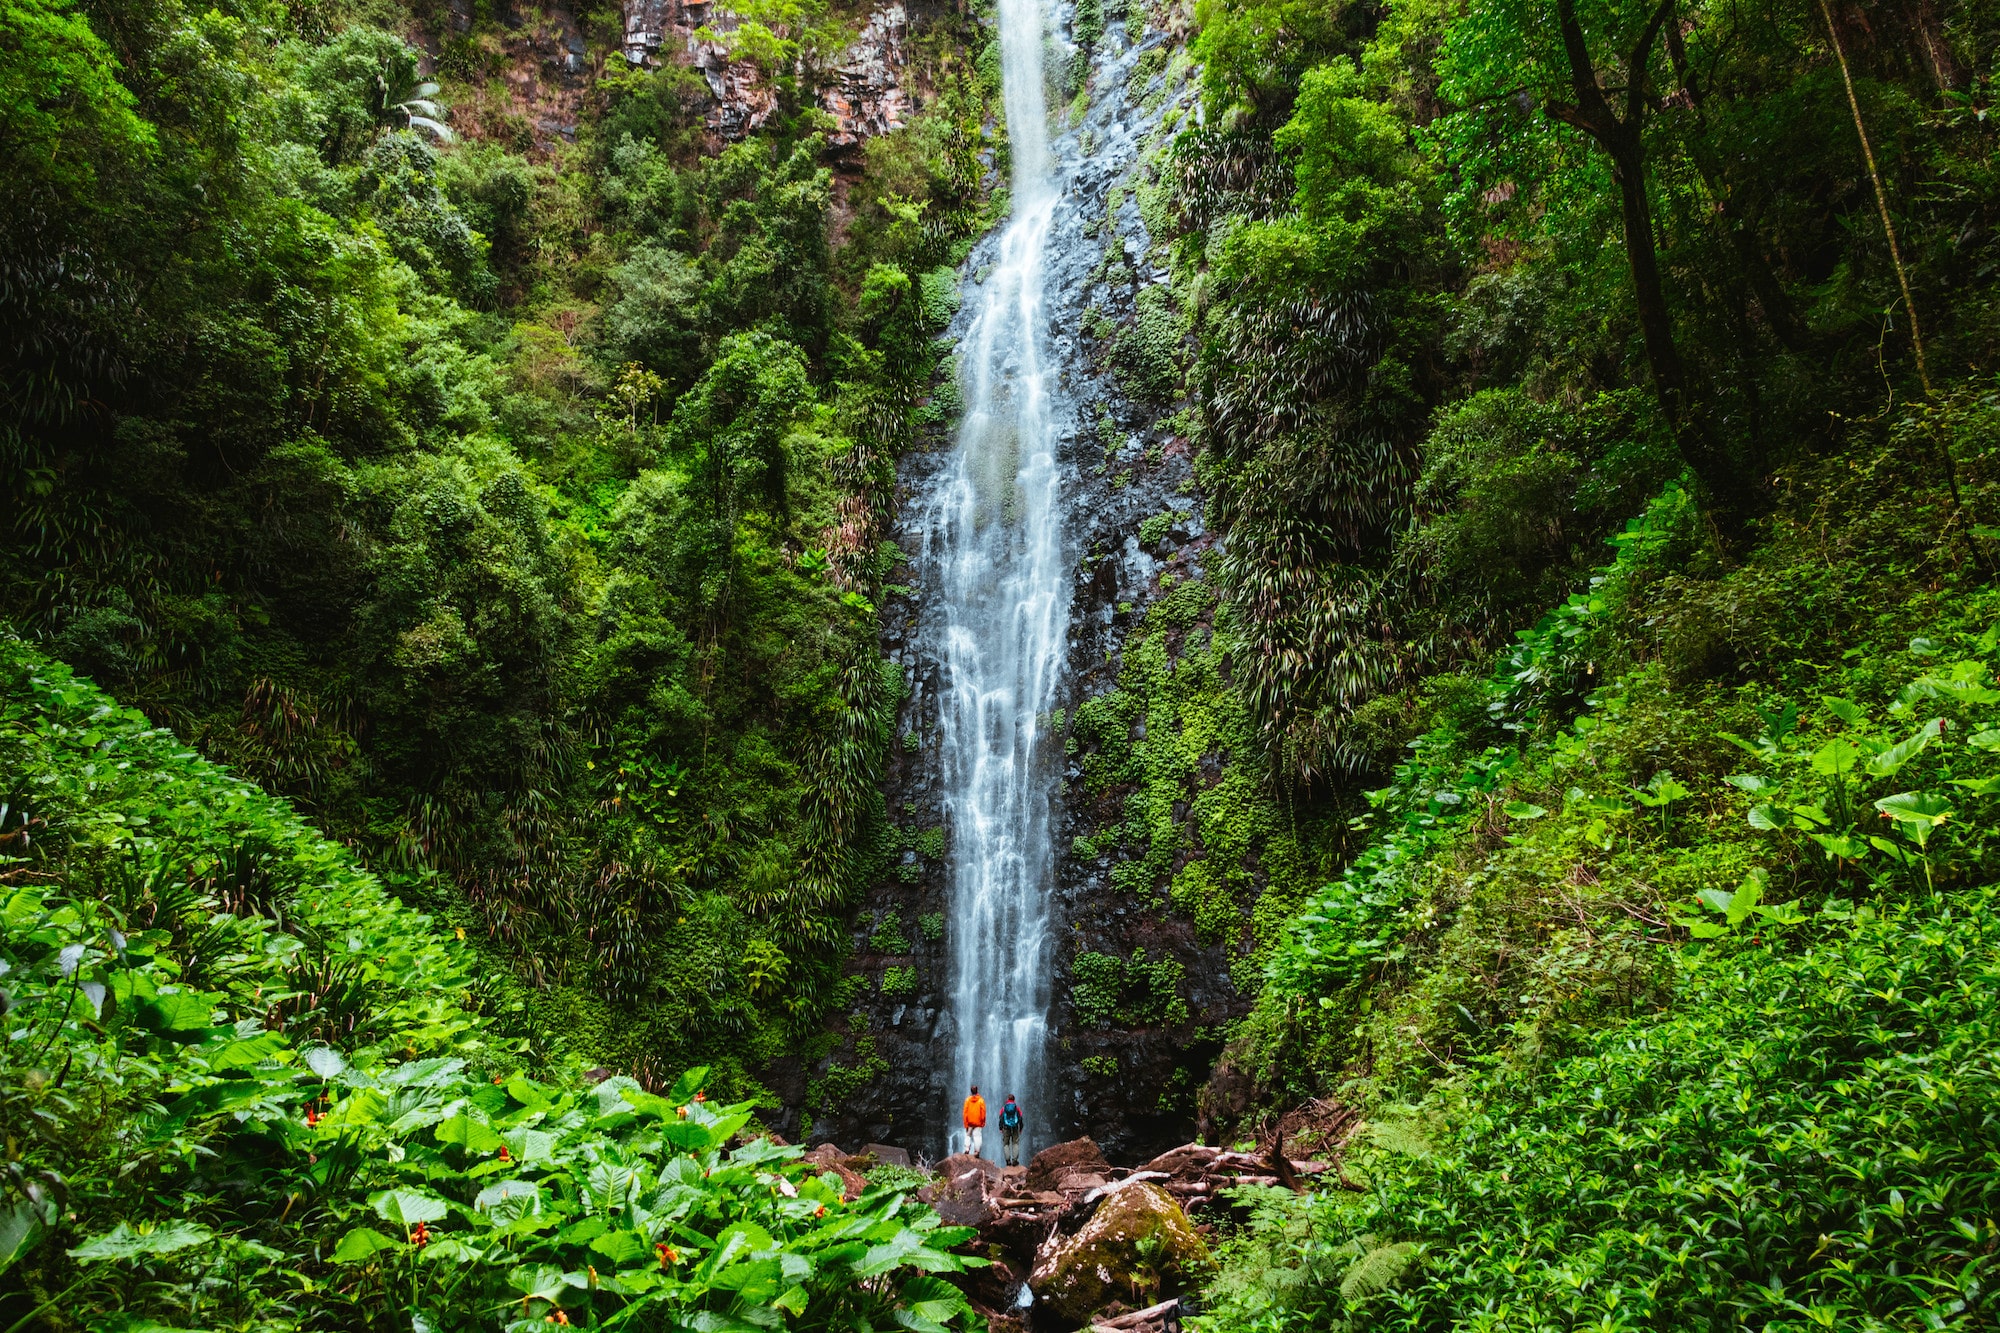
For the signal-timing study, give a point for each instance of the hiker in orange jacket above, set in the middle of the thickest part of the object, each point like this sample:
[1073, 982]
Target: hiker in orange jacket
[975, 1121]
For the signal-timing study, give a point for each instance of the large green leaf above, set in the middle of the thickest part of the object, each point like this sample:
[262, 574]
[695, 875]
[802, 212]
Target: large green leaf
[406, 1208]
[21, 1230]
[509, 1201]
[688, 1084]
[1889, 761]
[182, 1011]
[738, 1241]
[469, 1132]
[360, 1243]
[622, 1247]
[125, 1242]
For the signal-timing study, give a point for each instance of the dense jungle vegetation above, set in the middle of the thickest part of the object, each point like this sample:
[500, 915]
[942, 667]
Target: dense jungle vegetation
[440, 572]
[1658, 989]
[514, 514]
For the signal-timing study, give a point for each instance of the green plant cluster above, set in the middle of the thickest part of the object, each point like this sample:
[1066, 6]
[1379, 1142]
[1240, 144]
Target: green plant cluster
[888, 937]
[1350, 927]
[1175, 741]
[1457, 315]
[1130, 991]
[1664, 912]
[242, 1087]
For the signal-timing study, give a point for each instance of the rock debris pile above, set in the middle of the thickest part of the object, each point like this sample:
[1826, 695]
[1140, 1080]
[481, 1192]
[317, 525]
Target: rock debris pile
[1075, 1241]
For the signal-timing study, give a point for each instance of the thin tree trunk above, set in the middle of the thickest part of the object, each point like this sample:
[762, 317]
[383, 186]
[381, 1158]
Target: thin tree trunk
[1622, 140]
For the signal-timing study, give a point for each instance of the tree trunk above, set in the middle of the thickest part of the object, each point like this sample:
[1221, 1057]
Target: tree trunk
[1622, 140]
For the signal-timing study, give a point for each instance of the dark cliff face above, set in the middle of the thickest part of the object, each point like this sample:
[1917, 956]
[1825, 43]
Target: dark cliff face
[1125, 1064]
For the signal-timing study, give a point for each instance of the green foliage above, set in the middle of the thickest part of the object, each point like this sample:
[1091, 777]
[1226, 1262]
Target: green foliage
[199, 989]
[68, 116]
[472, 501]
[899, 983]
[888, 936]
[1152, 531]
[1806, 1075]
[1131, 991]
[1176, 742]
[1147, 356]
[832, 1090]
[931, 926]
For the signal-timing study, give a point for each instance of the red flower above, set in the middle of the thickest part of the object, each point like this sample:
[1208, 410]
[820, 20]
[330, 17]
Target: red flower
[420, 1236]
[669, 1256]
[503, 1154]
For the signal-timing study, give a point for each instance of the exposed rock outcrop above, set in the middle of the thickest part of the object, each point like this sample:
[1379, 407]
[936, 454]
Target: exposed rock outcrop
[1048, 1168]
[866, 96]
[1137, 1246]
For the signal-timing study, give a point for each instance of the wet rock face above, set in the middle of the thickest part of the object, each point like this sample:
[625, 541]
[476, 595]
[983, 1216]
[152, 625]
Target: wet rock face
[864, 93]
[1125, 463]
[1137, 1248]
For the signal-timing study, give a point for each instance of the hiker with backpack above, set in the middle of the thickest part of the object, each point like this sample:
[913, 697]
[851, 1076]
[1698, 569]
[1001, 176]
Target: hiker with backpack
[1010, 1131]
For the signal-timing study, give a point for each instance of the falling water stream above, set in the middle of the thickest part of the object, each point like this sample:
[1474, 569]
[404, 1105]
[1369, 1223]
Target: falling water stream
[995, 537]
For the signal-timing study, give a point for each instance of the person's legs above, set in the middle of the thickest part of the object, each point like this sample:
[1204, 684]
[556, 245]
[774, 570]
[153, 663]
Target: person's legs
[1012, 1143]
[975, 1139]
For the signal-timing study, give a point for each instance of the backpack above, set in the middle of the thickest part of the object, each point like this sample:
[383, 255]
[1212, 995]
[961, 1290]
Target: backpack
[1010, 1116]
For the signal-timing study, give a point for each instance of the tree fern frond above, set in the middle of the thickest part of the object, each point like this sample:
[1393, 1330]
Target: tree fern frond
[1376, 1271]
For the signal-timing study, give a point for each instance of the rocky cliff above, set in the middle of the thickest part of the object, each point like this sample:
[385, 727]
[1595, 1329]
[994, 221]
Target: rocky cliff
[1146, 945]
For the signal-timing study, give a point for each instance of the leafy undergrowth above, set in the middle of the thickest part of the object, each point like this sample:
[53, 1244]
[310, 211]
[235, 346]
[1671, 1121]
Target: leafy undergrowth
[1806, 1142]
[1666, 983]
[244, 1089]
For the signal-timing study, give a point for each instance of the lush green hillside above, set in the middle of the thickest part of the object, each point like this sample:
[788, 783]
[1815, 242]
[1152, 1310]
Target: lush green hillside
[510, 503]
[1657, 992]
[243, 1088]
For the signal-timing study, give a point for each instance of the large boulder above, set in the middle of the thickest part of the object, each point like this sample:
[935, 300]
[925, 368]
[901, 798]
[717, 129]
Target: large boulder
[956, 1165]
[1047, 1168]
[960, 1193]
[1138, 1247]
[887, 1155]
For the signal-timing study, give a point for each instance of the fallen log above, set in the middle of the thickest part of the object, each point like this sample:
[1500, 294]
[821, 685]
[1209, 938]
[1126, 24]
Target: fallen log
[1134, 1318]
[1112, 1187]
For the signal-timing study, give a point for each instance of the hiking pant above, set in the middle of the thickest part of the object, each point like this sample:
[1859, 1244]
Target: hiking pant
[1010, 1145]
[975, 1138]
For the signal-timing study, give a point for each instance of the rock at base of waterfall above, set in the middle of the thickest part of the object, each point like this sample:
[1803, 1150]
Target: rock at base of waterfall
[886, 1155]
[1138, 1244]
[960, 1197]
[956, 1165]
[1047, 1168]
[829, 1158]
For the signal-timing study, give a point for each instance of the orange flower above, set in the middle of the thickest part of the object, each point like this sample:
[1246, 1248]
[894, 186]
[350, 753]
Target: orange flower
[669, 1256]
[503, 1154]
[420, 1235]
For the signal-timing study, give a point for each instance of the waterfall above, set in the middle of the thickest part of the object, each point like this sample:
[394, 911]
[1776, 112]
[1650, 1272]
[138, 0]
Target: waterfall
[994, 536]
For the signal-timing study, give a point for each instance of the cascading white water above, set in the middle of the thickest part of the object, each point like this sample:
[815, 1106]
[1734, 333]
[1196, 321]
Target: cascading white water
[995, 538]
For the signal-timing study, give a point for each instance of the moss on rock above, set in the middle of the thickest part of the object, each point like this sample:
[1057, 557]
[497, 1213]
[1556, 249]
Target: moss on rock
[1138, 1247]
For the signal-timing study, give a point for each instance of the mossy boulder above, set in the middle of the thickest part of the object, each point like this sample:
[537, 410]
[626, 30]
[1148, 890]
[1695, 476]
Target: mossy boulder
[1137, 1247]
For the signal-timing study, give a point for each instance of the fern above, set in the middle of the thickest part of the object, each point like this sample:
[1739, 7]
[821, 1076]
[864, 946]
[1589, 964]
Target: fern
[1376, 1271]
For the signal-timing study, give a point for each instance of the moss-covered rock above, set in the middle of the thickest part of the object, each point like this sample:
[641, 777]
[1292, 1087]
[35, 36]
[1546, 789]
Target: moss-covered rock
[1137, 1247]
